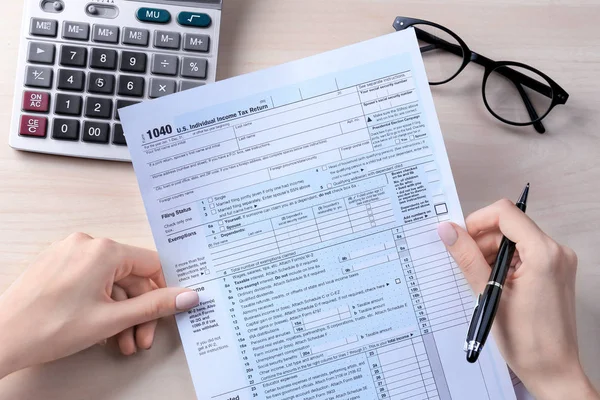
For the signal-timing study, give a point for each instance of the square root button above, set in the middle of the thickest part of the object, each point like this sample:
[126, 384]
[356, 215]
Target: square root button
[36, 101]
[33, 126]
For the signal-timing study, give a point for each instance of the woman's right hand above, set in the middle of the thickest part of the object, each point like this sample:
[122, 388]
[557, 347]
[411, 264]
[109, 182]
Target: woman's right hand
[535, 327]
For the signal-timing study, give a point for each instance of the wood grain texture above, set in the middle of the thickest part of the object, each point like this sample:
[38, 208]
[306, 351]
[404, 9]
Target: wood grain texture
[44, 198]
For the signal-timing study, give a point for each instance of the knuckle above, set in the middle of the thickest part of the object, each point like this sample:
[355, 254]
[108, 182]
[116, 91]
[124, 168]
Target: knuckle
[104, 245]
[505, 203]
[78, 237]
[553, 249]
[570, 256]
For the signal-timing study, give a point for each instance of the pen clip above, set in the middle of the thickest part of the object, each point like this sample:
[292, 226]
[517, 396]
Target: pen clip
[477, 300]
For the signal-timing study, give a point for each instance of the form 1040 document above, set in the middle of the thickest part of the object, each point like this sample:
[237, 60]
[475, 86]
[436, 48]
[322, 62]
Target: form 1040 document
[301, 202]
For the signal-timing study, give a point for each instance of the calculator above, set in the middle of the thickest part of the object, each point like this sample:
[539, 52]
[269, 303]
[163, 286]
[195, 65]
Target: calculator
[80, 61]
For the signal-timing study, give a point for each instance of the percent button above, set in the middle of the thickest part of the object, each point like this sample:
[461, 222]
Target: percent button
[194, 67]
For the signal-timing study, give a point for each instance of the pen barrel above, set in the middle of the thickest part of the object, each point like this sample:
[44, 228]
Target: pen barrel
[487, 312]
[503, 261]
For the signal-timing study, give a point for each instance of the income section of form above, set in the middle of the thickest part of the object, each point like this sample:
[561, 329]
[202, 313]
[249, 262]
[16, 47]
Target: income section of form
[306, 219]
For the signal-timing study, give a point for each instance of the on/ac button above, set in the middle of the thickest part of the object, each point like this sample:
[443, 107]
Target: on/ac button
[155, 15]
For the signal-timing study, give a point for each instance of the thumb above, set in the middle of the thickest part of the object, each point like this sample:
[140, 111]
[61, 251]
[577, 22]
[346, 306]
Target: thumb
[466, 253]
[153, 305]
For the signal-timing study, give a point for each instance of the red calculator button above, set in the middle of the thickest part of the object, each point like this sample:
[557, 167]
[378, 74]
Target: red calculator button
[33, 126]
[36, 101]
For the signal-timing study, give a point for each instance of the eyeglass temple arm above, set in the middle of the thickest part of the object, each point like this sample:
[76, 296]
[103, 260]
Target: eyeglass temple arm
[539, 127]
[515, 76]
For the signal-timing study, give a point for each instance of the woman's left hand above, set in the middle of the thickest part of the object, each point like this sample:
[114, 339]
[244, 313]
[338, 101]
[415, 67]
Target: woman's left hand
[82, 291]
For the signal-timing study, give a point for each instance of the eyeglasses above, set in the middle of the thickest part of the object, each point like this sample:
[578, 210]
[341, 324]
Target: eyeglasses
[515, 93]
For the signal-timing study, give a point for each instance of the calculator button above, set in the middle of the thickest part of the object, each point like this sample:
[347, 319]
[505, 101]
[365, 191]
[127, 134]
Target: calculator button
[131, 86]
[136, 37]
[69, 79]
[101, 83]
[65, 129]
[105, 34]
[194, 67]
[123, 104]
[73, 56]
[96, 132]
[76, 30]
[164, 64]
[104, 59]
[133, 62]
[166, 40]
[67, 104]
[38, 77]
[96, 107]
[42, 53]
[195, 19]
[43, 27]
[156, 15]
[193, 42]
[185, 85]
[119, 136]
[161, 87]
[36, 101]
[33, 126]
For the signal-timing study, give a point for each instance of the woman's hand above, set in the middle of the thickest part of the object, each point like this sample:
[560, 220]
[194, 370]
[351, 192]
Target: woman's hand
[82, 291]
[535, 326]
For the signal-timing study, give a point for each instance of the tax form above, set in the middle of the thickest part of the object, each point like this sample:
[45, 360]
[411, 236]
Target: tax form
[301, 202]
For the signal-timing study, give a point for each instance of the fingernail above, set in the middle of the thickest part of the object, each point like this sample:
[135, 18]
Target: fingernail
[187, 300]
[447, 233]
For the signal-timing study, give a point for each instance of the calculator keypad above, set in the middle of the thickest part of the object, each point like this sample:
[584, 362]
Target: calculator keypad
[96, 69]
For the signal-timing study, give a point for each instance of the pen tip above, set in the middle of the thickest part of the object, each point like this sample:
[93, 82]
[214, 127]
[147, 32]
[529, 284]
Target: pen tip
[524, 195]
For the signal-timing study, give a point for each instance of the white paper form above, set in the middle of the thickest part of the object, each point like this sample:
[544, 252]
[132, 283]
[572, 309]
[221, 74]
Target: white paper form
[301, 202]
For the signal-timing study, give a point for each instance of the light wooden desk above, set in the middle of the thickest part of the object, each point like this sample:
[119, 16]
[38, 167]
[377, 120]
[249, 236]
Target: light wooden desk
[45, 198]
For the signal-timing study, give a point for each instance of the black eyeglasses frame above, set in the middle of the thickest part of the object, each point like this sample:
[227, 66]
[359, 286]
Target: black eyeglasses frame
[552, 90]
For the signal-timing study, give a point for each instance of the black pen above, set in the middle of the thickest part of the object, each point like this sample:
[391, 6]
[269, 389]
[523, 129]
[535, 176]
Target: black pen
[487, 302]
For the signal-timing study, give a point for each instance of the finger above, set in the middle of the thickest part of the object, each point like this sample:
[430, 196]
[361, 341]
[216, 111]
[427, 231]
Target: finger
[136, 286]
[150, 306]
[503, 215]
[488, 243]
[466, 253]
[140, 262]
[125, 338]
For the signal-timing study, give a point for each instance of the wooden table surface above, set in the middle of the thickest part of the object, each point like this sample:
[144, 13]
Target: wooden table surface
[44, 198]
